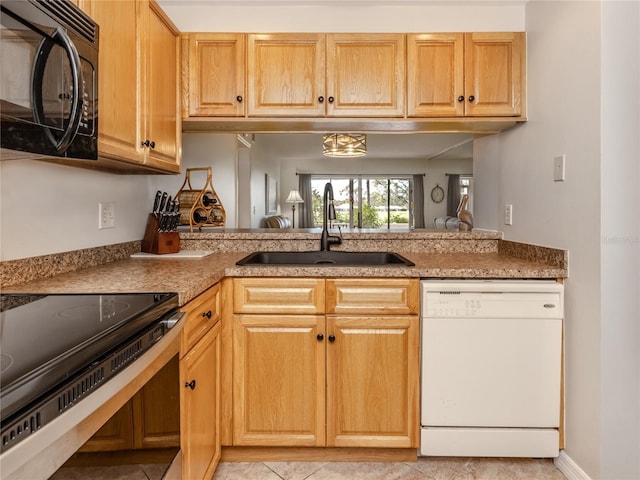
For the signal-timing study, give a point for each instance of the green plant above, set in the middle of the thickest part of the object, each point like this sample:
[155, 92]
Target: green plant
[370, 217]
[400, 217]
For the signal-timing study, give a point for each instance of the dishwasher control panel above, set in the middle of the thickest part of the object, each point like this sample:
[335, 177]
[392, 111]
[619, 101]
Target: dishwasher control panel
[495, 299]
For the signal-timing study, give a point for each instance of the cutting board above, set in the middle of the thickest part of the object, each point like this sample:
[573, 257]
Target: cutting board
[181, 254]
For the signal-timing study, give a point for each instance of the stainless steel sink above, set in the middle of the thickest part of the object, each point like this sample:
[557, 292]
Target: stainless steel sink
[328, 258]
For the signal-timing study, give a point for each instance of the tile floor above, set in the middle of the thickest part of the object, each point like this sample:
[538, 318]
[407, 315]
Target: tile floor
[423, 469]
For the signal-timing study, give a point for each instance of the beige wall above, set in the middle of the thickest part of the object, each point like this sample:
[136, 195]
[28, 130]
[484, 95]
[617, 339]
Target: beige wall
[583, 62]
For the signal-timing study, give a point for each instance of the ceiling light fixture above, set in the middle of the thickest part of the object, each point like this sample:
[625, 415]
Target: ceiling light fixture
[344, 144]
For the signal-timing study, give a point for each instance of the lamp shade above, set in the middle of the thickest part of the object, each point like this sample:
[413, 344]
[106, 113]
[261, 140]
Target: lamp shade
[344, 145]
[294, 197]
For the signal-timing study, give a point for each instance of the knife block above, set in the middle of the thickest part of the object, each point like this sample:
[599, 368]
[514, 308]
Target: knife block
[159, 242]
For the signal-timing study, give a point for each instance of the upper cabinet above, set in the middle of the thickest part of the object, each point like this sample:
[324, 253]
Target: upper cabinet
[494, 77]
[365, 75]
[138, 87]
[334, 75]
[161, 116]
[286, 75]
[213, 74]
[445, 82]
[295, 75]
[472, 74]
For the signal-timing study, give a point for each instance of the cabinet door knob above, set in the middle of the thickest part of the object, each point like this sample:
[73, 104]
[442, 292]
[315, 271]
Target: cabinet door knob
[471, 98]
[331, 99]
[152, 144]
[145, 143]
[332, 338]
[207, 314]
[321, 99]
[191, 384]
[239, 98]
[320, 337]
[461, 98]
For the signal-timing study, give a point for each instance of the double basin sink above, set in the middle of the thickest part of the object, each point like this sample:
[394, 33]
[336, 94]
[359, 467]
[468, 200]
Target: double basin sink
[329, 258]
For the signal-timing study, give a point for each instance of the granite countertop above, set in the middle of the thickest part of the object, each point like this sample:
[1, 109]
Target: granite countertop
[190, 277]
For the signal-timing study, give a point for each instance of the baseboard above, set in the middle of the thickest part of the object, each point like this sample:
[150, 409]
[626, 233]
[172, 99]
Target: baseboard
[569, 468]
[318, 454]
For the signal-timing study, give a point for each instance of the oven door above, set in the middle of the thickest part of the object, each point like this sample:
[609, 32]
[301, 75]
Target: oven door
[47, 85]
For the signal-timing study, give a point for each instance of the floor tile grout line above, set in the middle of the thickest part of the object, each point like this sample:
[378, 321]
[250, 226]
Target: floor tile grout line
[276, 473]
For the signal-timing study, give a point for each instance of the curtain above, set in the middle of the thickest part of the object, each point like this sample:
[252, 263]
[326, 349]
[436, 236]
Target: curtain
[418, 201]
[305, 214]
[453, 195]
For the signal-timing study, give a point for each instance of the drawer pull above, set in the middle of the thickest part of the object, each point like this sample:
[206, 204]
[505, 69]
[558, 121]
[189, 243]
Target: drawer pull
[191, 384]
[207, 314]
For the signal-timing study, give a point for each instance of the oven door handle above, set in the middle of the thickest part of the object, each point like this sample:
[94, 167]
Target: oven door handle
[170, 322]
[42, 55]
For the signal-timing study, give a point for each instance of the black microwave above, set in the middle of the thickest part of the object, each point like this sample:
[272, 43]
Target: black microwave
[48, 79]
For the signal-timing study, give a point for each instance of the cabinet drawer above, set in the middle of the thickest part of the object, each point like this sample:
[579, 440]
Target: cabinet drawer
[202, 313]
[278, 295]
[379, 296]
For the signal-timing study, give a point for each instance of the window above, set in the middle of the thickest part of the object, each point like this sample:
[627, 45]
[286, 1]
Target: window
[366, 202]
[466, 188]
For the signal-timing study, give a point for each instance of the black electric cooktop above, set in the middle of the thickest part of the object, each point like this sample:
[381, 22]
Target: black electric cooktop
[46, 339]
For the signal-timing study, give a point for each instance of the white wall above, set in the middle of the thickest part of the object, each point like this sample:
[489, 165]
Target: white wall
[200, 150]
[345, 16]
[47, 208]
[620, 241]
[582, 100]
[262, 163]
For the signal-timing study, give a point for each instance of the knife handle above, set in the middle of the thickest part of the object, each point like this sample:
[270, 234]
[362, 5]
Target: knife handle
[156, 201]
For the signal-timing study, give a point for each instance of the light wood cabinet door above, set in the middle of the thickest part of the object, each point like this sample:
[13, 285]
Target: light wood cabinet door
[373, 381]
[286, 74]
[138, 84]
[116, 434]
[278, 380]
[435, 75]
[162, 82]
[203, 312]
[214, 72]
[495, 73]
[156, 410]
[120, 83]
[365, 75]
[200, 407]
[373, 296]
[278, 295]
[151, 419]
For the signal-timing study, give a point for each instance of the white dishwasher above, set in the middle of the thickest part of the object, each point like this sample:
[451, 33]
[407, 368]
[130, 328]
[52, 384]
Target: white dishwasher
[491, 367]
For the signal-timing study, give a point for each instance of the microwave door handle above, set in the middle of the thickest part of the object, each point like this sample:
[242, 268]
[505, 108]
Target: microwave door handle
[42, 55]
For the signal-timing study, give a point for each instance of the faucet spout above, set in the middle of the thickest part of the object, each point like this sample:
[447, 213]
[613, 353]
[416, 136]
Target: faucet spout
[328, 213]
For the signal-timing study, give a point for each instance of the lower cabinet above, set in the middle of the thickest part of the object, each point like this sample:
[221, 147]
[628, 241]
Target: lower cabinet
[200, 386]
[279, 380]
[149, 420]
[372, 381]
[330, 378]
[200, 407]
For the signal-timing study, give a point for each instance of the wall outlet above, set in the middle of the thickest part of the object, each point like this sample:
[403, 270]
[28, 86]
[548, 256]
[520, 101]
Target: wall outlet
[106, 215]
[558, 168]
[508, 214]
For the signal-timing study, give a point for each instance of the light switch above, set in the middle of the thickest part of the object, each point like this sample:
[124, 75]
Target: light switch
[508, 214]
[558, 168]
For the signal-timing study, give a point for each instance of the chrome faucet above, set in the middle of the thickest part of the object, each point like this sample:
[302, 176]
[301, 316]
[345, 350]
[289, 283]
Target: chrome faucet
[328, 212]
